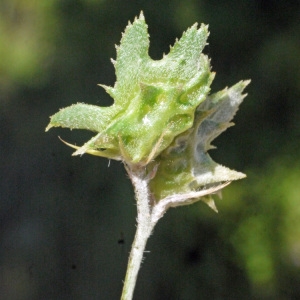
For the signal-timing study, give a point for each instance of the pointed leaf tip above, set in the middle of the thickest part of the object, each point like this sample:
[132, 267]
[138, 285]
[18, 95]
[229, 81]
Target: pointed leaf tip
[210, 202]
[49, 126]
[142, 17]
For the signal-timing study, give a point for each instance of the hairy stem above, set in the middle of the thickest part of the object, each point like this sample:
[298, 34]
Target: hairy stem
[143, 231]
[148, 214]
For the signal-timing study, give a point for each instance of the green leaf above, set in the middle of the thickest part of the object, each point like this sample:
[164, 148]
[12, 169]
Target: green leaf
[154, 101]
[82, 116]
[185, 166]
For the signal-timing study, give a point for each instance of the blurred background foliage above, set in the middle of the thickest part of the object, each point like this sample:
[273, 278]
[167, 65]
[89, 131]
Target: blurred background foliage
[67, 222]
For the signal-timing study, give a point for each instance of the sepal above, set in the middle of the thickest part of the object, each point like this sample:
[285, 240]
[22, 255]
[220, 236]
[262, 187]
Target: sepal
[186, 166]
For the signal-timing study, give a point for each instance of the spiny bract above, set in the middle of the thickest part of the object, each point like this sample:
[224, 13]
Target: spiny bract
[162, 117]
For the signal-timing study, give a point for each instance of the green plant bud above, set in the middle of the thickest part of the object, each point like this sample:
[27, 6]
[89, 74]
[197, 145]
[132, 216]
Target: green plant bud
[154, 101]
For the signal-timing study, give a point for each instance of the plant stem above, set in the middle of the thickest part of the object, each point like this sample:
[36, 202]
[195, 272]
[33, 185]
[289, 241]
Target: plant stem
[148, 214]
[143, 231]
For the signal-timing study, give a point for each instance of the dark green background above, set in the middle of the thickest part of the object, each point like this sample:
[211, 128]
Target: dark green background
[67, 223]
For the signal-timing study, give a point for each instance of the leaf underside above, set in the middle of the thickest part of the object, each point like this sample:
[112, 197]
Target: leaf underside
[185, 166]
